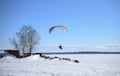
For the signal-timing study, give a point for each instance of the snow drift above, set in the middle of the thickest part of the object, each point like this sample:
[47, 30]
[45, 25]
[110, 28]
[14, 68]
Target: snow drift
[90, 65]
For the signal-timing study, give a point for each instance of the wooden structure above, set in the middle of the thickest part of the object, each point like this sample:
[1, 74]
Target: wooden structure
[13, 52]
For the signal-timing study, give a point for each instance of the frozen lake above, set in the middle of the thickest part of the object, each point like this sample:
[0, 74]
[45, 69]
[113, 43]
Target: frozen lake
[90, 65]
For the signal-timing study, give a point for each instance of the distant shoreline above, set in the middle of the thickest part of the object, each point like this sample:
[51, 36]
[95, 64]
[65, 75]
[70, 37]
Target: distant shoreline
[86, 52]
[81, 53]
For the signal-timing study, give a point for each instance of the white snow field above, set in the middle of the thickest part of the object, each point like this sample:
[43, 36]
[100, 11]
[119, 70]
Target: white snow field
[90, 65]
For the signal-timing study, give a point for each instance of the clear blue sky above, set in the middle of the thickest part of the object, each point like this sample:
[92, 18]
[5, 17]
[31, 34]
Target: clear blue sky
[87, 21]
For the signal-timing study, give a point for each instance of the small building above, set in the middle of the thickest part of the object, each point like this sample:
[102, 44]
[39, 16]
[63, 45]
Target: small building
[13, 52]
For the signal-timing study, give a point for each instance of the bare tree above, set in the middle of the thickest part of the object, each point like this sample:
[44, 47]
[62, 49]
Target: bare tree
[14, 43]
[26, 39]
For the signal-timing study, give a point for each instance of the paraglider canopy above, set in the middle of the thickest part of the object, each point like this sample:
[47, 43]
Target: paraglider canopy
[58, 26]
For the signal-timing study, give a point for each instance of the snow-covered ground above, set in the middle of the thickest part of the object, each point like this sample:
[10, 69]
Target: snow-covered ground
[90, 65]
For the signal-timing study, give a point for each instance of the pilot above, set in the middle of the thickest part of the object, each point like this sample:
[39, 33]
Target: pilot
[60, 46]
